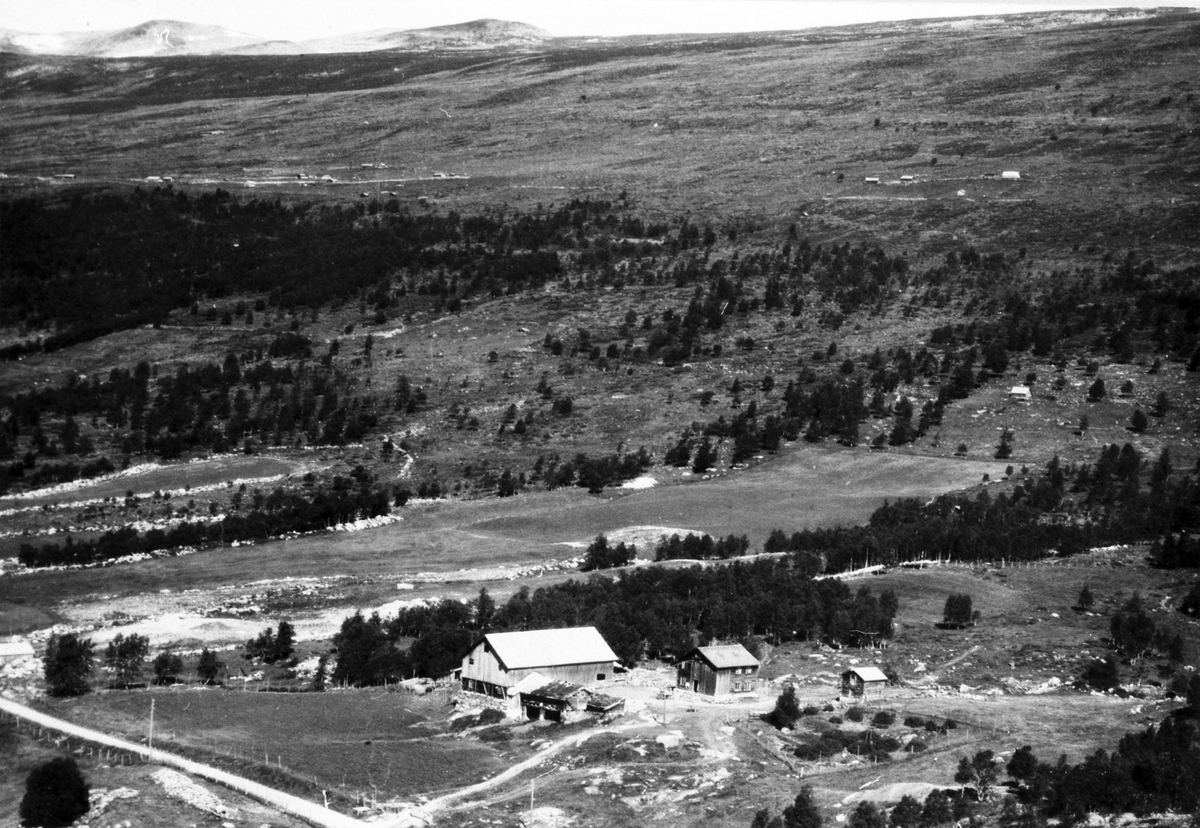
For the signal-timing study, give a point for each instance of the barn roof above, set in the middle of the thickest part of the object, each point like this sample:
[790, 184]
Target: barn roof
[726, 656]
[550, 648]
[559, 690]
[867, 673]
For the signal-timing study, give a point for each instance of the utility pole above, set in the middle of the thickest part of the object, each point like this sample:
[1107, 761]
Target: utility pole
[150, 740]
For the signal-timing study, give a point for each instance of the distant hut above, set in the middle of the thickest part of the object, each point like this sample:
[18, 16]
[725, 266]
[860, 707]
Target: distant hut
[718, 671]
[1020, 393]
[1011, 175]
[15, 650]
[857, 680]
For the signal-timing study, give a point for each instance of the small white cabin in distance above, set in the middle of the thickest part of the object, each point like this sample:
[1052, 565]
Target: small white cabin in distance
[1020, 393]
[1011, 175]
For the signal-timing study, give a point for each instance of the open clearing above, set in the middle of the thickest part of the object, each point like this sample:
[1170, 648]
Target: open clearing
[178, 478]
[804, 487]
[350, 740]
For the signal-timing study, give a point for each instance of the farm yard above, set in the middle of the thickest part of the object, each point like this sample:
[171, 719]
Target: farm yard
[440, 334]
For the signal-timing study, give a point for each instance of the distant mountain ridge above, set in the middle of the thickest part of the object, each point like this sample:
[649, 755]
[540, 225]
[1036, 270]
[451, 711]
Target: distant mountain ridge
[163, 38]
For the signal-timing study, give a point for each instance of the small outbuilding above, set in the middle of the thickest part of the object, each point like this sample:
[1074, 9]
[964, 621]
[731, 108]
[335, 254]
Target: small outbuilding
[718, 670]
[1020, 393]
[1011, 175]
[857, 680]
[15, 650]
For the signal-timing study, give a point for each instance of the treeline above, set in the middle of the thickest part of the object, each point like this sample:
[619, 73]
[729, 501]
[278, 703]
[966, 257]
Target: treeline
[658, 613]
[1176, 551]
[647, 613]
[280, 512]
[102, 257]
[700, 547]
[591, 473]
[1152, 772]
[1111, 500]
[207, 406]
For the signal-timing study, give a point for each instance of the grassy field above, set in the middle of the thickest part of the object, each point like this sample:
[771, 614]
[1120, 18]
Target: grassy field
[349, 740]
[804, 487]
[176, 478]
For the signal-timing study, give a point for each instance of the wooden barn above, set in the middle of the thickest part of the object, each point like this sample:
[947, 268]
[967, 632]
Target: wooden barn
[718, 670]
[857, 680]
[499, 661]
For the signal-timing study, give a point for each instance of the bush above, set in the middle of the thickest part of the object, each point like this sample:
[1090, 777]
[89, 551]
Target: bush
[810, 710]
[491, 716]
[786, 711]
[836, 720]
[914, 721]
[56, 794]
[463, 722]
[855, 714]
[883, 719]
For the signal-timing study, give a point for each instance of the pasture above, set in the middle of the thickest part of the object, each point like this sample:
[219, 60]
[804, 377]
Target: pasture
[803, 487]
[349, 740]
[178, 478]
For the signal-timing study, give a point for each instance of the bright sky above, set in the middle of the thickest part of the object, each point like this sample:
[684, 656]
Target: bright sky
[308, 19]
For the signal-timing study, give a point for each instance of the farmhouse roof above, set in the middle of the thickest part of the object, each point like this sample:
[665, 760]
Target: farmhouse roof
[550, 648]
[726, 656]
[10, 649]
[867, 673]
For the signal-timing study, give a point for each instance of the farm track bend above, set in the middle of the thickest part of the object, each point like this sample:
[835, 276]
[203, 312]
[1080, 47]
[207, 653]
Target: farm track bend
[309, 811]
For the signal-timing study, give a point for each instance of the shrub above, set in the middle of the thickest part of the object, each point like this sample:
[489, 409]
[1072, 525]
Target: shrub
[491, 716]
[855, 714]
[883, 719]
[836, 720]
[495, 734]
[914, 721]
[786, 711]
[56, 794]
[463, 722]
[810, 710]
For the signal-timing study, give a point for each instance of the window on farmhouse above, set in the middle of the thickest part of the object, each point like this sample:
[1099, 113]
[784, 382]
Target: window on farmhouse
[599, 676]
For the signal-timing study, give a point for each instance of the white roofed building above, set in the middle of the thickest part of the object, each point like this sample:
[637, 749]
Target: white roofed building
[718, 670]
[500, 661]
[856, 680]
[17, 649]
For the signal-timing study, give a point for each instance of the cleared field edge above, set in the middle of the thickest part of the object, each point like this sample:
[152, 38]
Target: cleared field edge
[294, 805]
